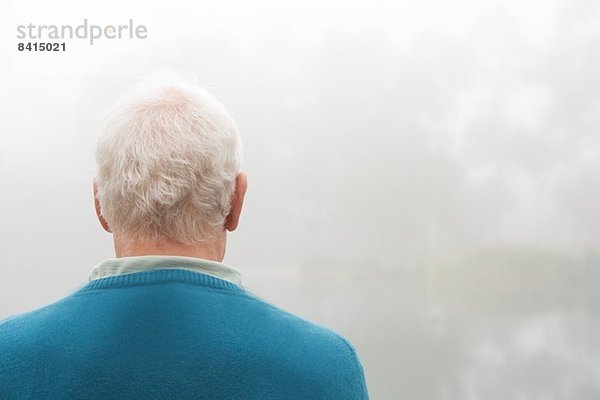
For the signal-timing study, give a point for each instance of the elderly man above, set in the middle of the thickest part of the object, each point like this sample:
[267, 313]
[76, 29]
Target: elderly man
[166, 319]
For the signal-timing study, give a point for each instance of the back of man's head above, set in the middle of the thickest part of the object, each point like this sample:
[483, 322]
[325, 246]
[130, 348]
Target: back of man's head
[167, 159]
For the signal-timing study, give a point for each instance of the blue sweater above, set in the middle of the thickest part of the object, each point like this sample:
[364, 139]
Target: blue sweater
[172, 334]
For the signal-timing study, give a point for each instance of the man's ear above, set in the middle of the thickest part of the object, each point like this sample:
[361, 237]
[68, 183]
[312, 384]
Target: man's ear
[237, 201]
[98, 211]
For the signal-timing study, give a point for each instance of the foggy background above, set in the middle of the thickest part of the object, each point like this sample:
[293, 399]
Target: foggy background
[424, 176]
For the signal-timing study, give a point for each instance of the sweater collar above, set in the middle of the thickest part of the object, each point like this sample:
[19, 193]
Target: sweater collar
[128, 265]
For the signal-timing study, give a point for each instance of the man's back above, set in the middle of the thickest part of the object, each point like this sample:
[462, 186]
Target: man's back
[172, 334]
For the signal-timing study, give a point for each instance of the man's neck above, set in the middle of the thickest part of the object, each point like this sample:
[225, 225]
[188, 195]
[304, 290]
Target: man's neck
[209, 250]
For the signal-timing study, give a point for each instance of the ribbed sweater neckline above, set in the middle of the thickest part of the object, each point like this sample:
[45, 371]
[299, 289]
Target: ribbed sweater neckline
[157, 276]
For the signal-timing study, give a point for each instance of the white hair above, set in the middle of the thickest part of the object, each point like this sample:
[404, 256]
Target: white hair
[167, 158]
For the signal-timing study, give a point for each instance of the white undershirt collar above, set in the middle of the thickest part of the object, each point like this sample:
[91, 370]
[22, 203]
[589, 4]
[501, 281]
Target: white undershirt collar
[128, 265]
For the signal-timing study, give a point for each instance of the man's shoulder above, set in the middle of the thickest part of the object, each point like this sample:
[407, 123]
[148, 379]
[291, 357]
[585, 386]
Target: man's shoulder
[329, 356]
[21, 337]
[15, 327]
[17, 321]
[18, 329]
[290, 321]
